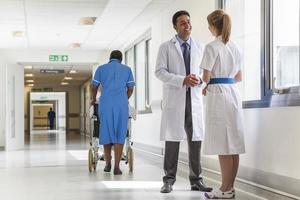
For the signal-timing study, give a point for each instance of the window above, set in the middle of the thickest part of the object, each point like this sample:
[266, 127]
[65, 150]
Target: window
[141, 75]
[267, 31]
[129, 60]
[285, 44]
[137, 57]
[246, 33]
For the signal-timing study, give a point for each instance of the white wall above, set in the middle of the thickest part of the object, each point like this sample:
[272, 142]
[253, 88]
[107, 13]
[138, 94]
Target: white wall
[31, 56]
[273, 140]
[272, 134]
[14, 137]
[103, 59]
[2, 102]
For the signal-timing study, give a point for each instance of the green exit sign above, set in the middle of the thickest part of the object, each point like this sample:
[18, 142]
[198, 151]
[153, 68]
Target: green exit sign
[58, 58]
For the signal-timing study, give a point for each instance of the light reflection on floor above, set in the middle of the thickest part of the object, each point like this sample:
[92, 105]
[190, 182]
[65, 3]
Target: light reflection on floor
[53, 165]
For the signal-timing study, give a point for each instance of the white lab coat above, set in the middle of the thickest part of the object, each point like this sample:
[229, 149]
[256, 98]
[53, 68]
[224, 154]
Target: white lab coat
[170, 69]
[224, 129]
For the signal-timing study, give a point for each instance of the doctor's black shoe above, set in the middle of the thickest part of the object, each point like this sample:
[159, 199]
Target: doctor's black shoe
[200, 186]
[166, 188]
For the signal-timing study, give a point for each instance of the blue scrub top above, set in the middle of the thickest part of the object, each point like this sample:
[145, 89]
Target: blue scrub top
[114, 78]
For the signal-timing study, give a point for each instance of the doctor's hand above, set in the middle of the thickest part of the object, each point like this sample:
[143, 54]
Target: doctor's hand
[191, 80]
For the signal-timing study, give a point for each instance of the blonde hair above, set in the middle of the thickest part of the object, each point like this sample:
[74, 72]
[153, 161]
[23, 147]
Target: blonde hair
[221, 22]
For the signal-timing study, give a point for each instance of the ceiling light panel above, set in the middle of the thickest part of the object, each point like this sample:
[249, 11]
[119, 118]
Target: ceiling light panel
[73, 72]
[11, 19]
[27, 67]
[37, 38]
[29, 81]
[68, 78]
[7, 41]
[116, 16]
[47, 18]
[75, 45]
[18, 34]
[87, 21]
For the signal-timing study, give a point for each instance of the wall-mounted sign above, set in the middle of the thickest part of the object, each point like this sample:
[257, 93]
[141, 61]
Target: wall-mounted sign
[43, 97]
[42, 90]
[52, 71]
[58, 58]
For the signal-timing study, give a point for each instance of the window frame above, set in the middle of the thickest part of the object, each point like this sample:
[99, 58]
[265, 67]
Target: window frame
[269, 98]
[133, 72]
[146, 37]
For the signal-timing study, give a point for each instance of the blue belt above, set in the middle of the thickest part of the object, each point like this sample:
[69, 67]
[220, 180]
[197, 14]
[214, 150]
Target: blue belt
[222, 81]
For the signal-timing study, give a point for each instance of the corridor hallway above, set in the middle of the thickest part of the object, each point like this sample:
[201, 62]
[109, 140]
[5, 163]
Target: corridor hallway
[53, 165]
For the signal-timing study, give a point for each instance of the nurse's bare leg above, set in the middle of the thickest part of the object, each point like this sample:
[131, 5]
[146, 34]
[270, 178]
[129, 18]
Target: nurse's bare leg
[107, 157]
[226, 164]
[118, 148]
[236, 159]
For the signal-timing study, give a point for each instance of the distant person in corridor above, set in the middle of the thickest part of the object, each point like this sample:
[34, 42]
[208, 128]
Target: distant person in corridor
[51, 118]
[116, 81]
[178, 68]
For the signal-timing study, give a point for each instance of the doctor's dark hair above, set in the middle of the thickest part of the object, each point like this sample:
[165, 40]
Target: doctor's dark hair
[116, 54]
[178, 14]
[221, 22]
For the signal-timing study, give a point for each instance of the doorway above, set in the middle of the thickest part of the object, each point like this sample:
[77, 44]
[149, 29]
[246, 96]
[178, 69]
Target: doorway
[40, 104]
[41, 112]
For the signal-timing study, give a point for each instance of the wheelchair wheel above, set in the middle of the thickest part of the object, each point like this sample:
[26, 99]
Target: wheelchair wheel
[95, 163]
[91, 161]
[130, 159]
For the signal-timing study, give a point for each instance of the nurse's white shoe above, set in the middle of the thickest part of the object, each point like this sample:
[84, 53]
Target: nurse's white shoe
[218, 194]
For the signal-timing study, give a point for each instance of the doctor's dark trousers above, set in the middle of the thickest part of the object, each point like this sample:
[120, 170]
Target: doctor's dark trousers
[194, 148]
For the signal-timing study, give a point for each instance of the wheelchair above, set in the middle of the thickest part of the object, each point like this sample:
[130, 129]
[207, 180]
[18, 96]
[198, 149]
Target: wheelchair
[93, 154]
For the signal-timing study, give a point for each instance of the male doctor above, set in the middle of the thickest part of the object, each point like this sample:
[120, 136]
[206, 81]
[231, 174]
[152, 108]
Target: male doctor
[177, 66]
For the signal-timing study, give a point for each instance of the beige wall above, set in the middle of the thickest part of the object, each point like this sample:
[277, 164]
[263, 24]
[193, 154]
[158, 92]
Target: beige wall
[40, 115]
[72, 106]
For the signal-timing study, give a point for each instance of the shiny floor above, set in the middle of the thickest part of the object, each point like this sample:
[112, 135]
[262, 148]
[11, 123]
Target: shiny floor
[53, 165]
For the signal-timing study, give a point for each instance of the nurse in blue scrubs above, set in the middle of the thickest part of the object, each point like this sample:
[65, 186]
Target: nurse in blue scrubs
[116, 81]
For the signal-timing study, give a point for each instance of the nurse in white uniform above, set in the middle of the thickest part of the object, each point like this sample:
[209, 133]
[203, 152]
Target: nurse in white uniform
[223, 116]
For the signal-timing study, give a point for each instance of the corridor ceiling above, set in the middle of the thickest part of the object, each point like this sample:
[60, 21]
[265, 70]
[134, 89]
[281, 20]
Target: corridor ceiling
[82, 73]
[57, 24]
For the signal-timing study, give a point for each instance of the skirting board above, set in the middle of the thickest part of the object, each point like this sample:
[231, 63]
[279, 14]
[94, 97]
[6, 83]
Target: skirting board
[267, 180]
